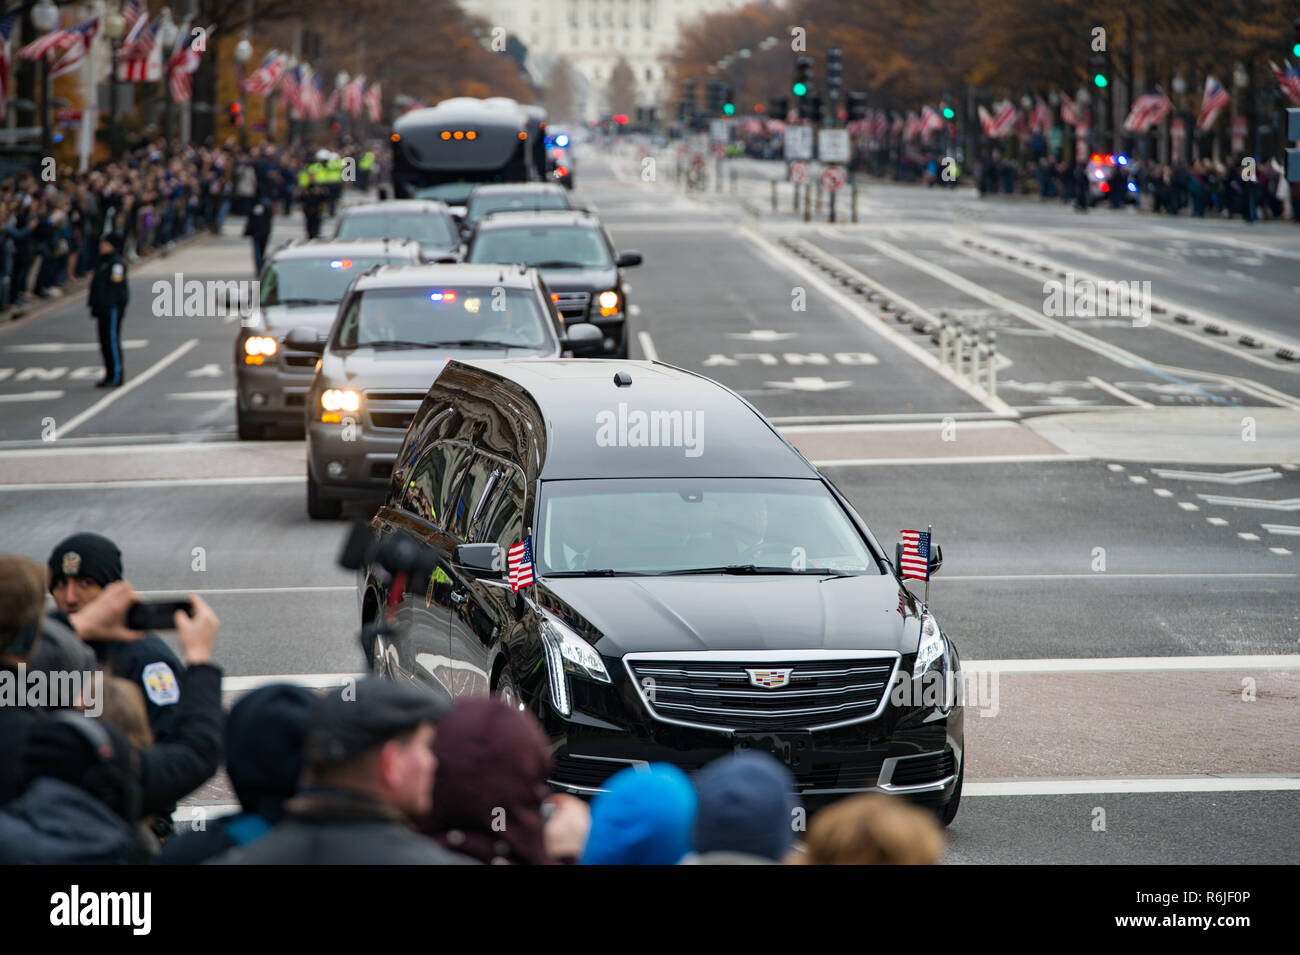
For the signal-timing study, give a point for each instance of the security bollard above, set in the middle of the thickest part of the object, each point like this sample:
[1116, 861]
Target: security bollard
[991, 338]
[945, 337]
[853, 193]
[774, 195]
[807, 203]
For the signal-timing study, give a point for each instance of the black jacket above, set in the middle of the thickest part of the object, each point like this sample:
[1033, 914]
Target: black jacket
[109, 287]
[258, 225]
[192, 752]
[341, 827]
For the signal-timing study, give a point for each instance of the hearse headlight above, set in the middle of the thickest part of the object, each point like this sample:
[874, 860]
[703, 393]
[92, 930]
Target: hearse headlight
[932, 652]
[933, 669]
[566, 653]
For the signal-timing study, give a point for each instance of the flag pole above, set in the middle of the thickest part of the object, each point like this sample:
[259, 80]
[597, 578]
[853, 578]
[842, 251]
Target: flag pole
[929, 530]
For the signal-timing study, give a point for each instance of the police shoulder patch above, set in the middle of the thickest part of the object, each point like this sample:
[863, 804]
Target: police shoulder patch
[160, 684]
[118, 272]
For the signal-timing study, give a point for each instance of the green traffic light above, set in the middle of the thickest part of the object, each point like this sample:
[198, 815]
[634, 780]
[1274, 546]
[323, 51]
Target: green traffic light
[948, 113]
[1295, 50]
[800, 89]
[1100, 80]
[729, 109]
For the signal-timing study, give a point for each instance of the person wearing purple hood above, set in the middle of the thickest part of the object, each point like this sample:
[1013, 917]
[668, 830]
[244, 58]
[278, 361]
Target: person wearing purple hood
[488, 791]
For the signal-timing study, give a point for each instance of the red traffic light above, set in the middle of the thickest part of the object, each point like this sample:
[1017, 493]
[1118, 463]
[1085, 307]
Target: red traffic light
[620, 118]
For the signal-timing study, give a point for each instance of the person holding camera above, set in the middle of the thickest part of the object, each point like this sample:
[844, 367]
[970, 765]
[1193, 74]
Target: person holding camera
[81, 566]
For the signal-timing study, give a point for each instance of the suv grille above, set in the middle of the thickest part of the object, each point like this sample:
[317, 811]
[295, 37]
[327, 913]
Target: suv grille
[572, 304]
[718, 693]
[392, 410]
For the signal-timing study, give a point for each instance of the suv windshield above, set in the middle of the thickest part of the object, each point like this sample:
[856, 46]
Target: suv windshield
[425, 228]
[717, 525]
[481, 205]
[313, 281]
[427, 316]
[452, 193]
[554, 247]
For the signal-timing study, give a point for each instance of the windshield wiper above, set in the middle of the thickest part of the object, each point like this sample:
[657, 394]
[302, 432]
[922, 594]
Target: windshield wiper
[475, 343]
[392, 343]
[603, 572]
[304, 301]
[558, 264]
[732, 569]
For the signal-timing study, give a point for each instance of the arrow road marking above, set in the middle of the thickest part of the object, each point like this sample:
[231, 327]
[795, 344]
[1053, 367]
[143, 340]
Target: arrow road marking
[808, 384]
[1252, 476]
[210, 370]
[1289, 505]
[762, 335]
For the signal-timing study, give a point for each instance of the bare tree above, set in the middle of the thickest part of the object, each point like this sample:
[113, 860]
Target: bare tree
[558, 96]
[622, 88]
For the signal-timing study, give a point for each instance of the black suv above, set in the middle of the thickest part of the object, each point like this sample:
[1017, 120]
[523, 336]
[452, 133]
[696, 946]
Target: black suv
[697, 586]
[576, 258]
[500, 197]
[423, 221]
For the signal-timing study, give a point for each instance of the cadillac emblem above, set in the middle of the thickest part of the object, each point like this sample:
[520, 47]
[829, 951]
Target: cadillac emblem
[769, 679]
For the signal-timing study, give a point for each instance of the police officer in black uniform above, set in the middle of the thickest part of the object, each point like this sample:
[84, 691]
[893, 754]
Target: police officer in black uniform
[258, 228]
[80, 567]
[109, 294]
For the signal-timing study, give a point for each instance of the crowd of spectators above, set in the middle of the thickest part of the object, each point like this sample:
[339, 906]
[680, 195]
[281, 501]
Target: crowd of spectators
[374, 772]
[152, 197]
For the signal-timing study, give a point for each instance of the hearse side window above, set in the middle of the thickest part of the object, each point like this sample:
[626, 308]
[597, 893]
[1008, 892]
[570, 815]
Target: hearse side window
[466, 495]
[428, 489]
[505, 524]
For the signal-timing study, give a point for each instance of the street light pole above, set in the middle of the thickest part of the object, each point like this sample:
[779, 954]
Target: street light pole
[114, 29]
[167, 34]
[45, 18]
[243, 53]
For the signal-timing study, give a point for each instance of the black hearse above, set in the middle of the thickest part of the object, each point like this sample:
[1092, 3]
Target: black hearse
[697, 587]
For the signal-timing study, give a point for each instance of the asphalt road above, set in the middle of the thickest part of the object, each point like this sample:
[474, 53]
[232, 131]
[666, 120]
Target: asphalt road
[1118, 520]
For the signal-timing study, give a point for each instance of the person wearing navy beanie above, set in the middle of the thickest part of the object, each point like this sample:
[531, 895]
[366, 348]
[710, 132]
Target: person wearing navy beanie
[746, 815]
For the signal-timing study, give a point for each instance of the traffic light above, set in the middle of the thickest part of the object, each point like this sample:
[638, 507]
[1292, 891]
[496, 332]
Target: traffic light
[236, 111]
[834, 70]
[1100, 71]
[714, 98]
[728, 101]
[1295, 38]
[948, 112]
[686, 105]
[803, 67]
[857, 106]
[778, 107]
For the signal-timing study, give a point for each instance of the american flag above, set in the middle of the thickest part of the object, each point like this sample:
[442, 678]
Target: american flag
[291, 87]
[931, 121]
[135, 13]
[182, 65]
[83, 35]
[1288, 77]
[1041, 120]
[1004, 120]
[331, 104]
[267, 75]
[352, 94]
[54, 41]
[374, 100]
[520, 561]
[1148, 110]
[1213, 100]
[6, 29]
[912, 128]
[141, 61]
[1068, 114]
[916, 555]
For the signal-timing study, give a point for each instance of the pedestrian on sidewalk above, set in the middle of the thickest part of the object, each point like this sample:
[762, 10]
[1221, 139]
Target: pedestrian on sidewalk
[108, 299]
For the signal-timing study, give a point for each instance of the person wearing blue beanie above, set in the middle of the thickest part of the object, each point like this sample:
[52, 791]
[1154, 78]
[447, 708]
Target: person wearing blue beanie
[643, 818]
[746, 811]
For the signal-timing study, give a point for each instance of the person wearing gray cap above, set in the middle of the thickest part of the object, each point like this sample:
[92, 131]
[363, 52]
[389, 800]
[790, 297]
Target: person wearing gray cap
[369, 769]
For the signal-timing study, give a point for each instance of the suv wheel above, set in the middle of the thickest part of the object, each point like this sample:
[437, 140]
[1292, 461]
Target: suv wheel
[321, 508]
[247, 430]
[507, 690]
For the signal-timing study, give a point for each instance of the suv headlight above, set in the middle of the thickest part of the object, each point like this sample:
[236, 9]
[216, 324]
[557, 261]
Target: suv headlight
[608, 302]
[338, 399]
[566, 653]
[257, 348]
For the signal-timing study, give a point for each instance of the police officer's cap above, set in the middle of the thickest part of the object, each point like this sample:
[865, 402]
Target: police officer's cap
[352, 720]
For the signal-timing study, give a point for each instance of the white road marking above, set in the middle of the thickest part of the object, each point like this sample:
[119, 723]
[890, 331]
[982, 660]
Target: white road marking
[1217, 521]
[1251, 476]
[1162, 492]
[76, 446]
[981, 459]
[808, 383]
[210, 370]
[1293, 504]
[238, 684]
[1258, 661]
[1137, 479]
[1247, 536]
[1119, 393]
[1084, 786]
[46, 347]
[647, 346]
[223, 394]
[33, 396]
[115, 393]
[1188, 506]
[166, 482]
[252, 591]
[1280, 551]
[1285, 529]
[1115, 467]
[936, 417]
[999, 424]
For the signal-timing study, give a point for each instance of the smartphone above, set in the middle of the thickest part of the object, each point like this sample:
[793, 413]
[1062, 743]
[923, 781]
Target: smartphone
[156, 614]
